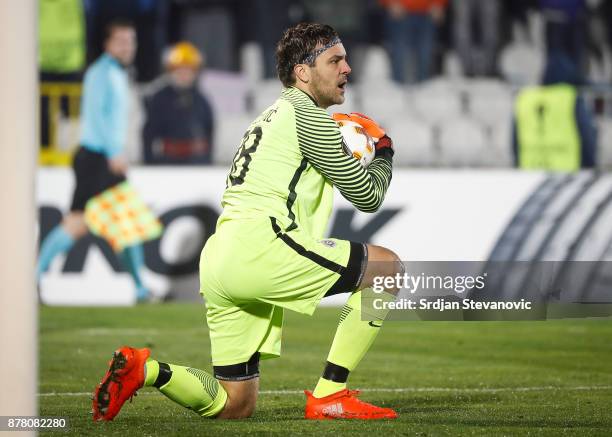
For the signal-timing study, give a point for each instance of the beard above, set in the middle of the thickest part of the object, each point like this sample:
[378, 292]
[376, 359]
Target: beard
[326, 95]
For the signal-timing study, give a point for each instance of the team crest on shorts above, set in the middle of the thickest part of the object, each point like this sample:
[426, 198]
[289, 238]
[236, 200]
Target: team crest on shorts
[328, 243]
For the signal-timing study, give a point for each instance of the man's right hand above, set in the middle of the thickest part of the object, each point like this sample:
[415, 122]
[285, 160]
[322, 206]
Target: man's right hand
[118, 165]
[383, 142]
[370, 126]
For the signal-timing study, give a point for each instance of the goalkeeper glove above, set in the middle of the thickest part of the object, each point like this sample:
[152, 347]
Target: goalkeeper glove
[384, 144]
[370, 126]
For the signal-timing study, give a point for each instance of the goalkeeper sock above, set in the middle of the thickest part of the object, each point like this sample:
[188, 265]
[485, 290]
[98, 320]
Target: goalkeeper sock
[57, 241]
[325, 387]
[191, 388]
[132, 258]
[352, 340]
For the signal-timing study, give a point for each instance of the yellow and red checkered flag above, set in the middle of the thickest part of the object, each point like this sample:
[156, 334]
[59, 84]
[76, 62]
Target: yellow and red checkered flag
[120, 216]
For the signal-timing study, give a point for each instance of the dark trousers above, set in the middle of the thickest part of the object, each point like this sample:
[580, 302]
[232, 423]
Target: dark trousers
[411, 42]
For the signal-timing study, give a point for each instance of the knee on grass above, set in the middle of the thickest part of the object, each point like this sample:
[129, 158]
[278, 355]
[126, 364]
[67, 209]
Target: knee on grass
[237, 408]
[241, 398]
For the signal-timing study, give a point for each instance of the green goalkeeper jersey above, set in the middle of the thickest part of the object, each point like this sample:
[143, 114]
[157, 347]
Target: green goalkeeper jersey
[289, 160]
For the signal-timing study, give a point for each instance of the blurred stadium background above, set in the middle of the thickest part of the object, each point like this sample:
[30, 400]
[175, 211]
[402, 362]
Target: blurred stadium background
[460, 116]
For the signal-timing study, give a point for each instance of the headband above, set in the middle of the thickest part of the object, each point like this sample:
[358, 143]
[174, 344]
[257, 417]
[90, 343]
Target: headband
[310, 58]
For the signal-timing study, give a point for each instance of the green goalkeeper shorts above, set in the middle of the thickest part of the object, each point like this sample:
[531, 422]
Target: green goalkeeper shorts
[250, 270]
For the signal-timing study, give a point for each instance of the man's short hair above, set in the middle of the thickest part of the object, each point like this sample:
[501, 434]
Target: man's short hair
[117, 23]
[297, 47]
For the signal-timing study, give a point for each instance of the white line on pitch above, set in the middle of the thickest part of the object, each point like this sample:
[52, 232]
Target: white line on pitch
[397, 390]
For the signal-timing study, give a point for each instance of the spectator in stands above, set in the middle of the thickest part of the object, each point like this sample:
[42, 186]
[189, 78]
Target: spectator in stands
[412, 34]
[150, 21]
[61, 57]
[476, 35]
[179, 119]
[99, 163]
[566, 29]
[553, 128]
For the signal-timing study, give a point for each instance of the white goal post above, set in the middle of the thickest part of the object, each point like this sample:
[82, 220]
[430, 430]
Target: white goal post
[18, 154]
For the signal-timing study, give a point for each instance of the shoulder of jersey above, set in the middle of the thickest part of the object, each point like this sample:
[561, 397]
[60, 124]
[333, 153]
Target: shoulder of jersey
[304, 106]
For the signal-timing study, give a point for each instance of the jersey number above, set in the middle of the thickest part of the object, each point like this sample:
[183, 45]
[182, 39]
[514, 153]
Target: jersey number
[244, 154]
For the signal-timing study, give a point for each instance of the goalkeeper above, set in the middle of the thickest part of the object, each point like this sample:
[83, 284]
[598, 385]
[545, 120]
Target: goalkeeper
[268, 253]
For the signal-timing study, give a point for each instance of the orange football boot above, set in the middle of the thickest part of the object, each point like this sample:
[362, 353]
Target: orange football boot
[124, 377]
[343, 405]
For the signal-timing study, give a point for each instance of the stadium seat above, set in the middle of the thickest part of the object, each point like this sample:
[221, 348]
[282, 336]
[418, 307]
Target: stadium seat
[227, 91]
[441, 82]
[264, 94]
[451, 65]
[376, 66]
[604, 152]
[530, 31]
[522, 64]
[490, 101]
[413, 142]
[600, 68]
[436, 101]
[383, 101]
[136, 120]
[535, 24]
[229, 131]
[251, 62]
[499, 142]
[462, 143]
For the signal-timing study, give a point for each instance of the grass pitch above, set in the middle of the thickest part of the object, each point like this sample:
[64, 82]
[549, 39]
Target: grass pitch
[444, 378]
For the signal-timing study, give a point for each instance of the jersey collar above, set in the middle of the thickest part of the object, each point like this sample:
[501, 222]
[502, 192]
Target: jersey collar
[291, 88]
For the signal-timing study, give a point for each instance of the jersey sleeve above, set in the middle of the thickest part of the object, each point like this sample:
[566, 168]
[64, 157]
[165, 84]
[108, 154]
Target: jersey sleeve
[320, 141]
